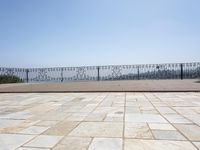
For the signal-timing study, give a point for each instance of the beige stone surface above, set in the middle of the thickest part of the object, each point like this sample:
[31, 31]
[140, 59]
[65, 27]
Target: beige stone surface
[31, 148]
[191, 131]
[62, 128]
[197, 144]
[44, 141]
[13, 141]
[74, 143]
[134, 144]
[145, 118]
[138, 131]
[160, 126]
[47, 123]
[106, 144]
[98, 129]
[34, 130]
[168, 135]
[100, 121]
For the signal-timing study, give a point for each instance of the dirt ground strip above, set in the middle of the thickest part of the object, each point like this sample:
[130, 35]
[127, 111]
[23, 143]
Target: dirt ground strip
[104, 86]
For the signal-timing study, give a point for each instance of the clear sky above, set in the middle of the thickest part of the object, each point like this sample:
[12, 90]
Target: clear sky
[50, 33]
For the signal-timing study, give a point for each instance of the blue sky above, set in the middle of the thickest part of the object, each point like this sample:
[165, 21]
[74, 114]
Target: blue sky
[49, 33]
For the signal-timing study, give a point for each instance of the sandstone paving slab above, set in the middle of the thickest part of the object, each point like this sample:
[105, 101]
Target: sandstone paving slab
[176, 119]
[194, 118]
[95, 117]
[61, 128]
[5, 123]
[44, 141]
[130, 109]
[16, 126]
[72, 108]
[34, 130]
[158, 103]
[180, 103]
[98, 129]
[29, 148]
[149, 111]
[161, 126]
[187, 110]
[147, 108]
[137, 130]
[114, 117]
[197, 144]
[167, 135]
[77, 117]
[144, 118]
[106, 144]
[47, 123]
[135, 144]
[73, 143]
[17, 115]
[191, 131]
[165, 110]
[53, 116]
[13, 141]
[106, 110]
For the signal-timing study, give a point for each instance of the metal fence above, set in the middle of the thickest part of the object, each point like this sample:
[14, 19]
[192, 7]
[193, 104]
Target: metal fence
[117, 72]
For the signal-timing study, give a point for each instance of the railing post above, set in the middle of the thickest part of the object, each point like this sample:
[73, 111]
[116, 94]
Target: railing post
[181, 71]
[98, 78]
[138, 73]
[27, 71]
[61, 74]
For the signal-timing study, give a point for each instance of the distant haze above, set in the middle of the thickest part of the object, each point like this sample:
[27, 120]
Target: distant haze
[50, 33]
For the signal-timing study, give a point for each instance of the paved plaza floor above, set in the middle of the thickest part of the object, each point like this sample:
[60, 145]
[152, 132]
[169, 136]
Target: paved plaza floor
[100, 121]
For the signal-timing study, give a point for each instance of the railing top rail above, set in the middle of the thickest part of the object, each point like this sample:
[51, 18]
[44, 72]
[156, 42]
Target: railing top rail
[103, 65]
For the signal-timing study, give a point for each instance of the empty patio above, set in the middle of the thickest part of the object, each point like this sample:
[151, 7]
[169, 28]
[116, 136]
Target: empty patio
[100, 121]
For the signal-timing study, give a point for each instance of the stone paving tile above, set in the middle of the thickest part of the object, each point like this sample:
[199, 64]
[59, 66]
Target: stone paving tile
[114, 117]
[29, 148]
[62, 128]
[5, 123]
[16, 127]
[47, 123]
[159, 126]
[197, 144]
[187, 111]
[148, 110]
[176, 119]
[82, 121]
[137, 130]
[74, 143]
[13, 141]
[167, 135]
[18, 115]
[77, 117]
[165, 110]
[34, 130]
[132, 110]
[106, 144]
[194, 118]
[95, 117]
[98, 129]
[191, 131]
[134, 144]
[106, 110]
[145, 118]
[44, 141]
